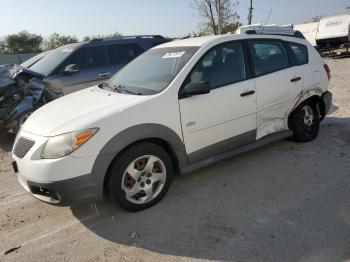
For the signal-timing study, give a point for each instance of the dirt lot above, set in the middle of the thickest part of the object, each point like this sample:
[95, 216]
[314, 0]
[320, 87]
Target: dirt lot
[282, 202]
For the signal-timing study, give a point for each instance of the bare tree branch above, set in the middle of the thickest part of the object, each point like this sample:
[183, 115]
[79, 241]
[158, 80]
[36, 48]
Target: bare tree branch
[208, 9]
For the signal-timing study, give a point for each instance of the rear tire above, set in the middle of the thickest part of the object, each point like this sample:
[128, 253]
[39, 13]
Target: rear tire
[305, 122]
[140, 177]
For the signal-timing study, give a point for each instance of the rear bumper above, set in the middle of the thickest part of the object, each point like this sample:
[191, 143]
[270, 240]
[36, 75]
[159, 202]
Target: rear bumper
[327, 100]
[68, 192]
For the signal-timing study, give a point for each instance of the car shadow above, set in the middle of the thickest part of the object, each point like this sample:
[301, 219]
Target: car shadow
[281, 202]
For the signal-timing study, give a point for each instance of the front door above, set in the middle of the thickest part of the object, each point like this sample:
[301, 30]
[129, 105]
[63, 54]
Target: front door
[93, 69]
[226, 117]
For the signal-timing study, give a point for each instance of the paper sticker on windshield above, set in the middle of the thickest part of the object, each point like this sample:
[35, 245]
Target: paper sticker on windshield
[174, 54]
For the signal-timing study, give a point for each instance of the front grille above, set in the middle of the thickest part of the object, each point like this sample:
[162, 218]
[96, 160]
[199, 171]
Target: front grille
[22, 147]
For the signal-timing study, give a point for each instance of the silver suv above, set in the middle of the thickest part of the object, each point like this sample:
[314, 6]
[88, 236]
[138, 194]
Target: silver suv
[76, 66]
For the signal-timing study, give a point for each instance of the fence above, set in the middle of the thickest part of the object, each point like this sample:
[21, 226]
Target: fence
[15, 58]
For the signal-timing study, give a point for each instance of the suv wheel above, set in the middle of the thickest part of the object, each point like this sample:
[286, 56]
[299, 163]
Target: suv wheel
[305, 123]
[140, 177]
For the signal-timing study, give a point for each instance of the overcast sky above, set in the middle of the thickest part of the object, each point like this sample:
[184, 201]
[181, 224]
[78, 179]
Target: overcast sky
[166, 17]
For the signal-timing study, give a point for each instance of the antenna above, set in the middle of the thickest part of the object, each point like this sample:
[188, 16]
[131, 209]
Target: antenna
[250, 14]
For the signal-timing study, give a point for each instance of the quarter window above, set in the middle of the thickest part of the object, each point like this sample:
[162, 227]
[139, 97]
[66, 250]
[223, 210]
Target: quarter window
[300, 52]
[268, 57]
[221, 66]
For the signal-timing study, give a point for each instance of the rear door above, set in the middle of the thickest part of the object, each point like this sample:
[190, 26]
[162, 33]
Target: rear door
[278, 82]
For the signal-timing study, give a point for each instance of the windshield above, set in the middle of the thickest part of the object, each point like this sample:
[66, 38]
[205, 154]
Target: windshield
[153, 71]
[31, 61]
[49, 63]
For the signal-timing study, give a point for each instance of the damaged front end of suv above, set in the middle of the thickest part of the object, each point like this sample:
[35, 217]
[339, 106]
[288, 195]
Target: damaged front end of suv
[21, 92]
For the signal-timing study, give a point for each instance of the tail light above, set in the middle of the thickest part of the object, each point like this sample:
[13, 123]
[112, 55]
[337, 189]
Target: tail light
[328, 71]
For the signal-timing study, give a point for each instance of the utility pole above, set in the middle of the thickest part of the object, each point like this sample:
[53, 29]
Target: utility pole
[250, 14]
[218, 7]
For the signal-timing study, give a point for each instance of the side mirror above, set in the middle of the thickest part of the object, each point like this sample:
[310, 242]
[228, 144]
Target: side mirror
[71, 69]
[195, 88]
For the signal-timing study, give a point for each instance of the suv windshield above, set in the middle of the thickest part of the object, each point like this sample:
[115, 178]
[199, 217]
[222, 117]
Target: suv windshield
[50, 62]
[153, 71]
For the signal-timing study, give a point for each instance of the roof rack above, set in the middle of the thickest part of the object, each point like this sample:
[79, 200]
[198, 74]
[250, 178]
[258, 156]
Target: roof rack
[286, 30]
[144, 36]
[128, 37]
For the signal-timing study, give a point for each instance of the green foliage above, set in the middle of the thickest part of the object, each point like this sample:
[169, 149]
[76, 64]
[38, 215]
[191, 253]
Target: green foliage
[55, 40]
[21, 43]
[24, 42]
[226, 29]
[102, 36]
[2, 46]
[231, 27]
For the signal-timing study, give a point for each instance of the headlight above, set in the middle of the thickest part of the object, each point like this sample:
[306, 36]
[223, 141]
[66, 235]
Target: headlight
[62, 145]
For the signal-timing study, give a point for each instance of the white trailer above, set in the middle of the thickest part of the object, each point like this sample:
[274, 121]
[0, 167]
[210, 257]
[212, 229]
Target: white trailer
[333, 31]
[309, 30]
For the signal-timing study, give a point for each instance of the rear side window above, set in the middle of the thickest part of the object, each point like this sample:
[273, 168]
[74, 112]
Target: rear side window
[123, 53]
[88, 57]
[300, 53]
[268, 57]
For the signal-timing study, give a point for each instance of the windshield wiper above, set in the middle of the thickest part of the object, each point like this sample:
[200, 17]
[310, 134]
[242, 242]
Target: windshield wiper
[121, 88]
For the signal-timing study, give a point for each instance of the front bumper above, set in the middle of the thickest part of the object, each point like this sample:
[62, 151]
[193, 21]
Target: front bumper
[65, 181]
[67, 192]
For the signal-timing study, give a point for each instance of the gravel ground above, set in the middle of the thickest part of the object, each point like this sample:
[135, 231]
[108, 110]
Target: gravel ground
[282, 202]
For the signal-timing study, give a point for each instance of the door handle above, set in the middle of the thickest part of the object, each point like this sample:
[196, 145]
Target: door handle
[104, 74]
[295, 79]
[248, 93]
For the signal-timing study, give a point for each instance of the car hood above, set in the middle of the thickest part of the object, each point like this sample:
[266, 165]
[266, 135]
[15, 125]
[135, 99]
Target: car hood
[80, 110]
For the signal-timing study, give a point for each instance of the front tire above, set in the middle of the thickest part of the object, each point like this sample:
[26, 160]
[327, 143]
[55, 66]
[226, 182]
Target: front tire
[140, 177]
[305, 122]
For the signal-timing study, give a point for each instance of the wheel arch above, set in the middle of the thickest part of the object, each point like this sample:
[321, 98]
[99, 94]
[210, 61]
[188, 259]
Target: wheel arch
[154, 133]
[314, 98]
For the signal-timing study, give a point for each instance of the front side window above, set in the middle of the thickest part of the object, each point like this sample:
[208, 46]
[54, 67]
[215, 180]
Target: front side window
[221, 66]
[88, 57]
[268, 56]
[152, 72]
[300, 53]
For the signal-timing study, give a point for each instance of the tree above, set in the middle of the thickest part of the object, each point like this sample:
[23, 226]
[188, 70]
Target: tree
[2, 46]
[103, 36]
[231, 27]
[208, 9]
[55, 40]
[23, 42]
